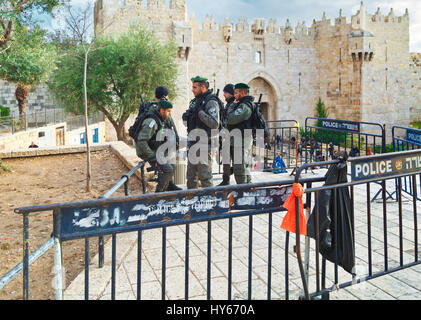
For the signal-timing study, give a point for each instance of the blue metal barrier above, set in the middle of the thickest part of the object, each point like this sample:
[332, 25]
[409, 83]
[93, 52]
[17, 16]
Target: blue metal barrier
[405, 139]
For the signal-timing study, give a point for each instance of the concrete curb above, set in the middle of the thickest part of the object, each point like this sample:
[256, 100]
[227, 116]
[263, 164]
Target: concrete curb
[41, 152]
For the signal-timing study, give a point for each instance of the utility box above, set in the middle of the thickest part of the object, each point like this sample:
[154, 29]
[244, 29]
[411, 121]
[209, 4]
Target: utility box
[180, 178]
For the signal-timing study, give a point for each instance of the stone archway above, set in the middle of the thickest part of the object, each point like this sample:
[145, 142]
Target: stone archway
[259, 86]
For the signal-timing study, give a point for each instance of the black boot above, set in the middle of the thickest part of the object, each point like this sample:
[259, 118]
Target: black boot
[173, 187]
[225, 182]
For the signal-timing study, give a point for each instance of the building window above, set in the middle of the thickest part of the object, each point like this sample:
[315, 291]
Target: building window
[258, 57]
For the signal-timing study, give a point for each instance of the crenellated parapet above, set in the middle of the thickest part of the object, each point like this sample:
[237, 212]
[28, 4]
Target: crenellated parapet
[176, 11]
[357, 34]
[242, 25]
[362, 18]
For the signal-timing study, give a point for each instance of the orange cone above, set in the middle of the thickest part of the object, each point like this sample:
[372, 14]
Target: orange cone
[289, 222]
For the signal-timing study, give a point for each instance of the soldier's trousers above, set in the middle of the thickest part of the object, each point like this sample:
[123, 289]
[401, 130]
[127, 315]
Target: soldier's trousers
[200, 172]
[227, 168]
[165, 176]
[242, 171]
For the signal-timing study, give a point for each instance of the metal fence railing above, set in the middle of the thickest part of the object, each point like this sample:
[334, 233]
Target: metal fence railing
[284, 138]
[393, 253]
[405, 139]
[14, 124]
[324, 137]
[218, 208]
[143, 213]
[29, 259]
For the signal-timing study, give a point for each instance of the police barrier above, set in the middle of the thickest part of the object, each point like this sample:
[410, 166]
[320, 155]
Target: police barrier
[407, 139]
[324, 137]
[87, 219]
[347, 231]
[140, 214]
[29, 259]
[283, 140]
[284, 137]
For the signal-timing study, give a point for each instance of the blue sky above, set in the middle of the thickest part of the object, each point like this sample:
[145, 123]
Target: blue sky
[302, 10]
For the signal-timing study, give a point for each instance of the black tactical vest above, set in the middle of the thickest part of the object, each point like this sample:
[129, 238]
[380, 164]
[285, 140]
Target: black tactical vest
[201, 103]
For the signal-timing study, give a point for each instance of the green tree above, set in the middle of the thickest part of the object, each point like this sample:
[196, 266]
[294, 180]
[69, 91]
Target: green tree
[119, 69]
[321, 109]
[27, 62]
[79, 33]
[13, 12]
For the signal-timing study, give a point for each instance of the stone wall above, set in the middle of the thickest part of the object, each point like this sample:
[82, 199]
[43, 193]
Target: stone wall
[360, 67]
[415, 87]
[39, 98]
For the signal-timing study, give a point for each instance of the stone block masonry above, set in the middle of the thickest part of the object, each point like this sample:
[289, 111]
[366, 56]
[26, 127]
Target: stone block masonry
[361, 67]
[39, 98]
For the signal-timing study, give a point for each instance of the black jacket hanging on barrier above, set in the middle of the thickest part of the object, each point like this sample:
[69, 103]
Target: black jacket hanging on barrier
[327, 204]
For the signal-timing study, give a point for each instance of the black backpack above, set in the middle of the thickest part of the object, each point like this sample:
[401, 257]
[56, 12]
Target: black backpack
[143, 112]
[258, 121]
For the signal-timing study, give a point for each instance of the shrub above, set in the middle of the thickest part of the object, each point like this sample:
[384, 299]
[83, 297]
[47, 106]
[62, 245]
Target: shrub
[416, 125]
[3, 167]
[4, 112]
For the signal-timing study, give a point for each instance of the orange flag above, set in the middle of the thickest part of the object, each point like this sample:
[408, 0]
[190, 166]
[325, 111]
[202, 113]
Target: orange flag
[289, 222]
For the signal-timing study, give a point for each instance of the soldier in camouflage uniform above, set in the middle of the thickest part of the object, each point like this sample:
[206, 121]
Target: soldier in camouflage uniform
[230, 99]
[203, 114]
[239, 117]
[147, 145]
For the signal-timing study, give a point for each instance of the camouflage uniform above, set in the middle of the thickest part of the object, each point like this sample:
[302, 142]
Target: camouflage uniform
[227, 167]
[203, 115]
[147, 146]
[238, 117]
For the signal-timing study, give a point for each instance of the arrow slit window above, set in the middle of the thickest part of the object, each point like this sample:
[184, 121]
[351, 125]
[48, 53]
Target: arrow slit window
[258, 57]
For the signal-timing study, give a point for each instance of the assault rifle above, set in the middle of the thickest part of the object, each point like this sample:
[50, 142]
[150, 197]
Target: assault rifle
[142, 103]
[259, 103]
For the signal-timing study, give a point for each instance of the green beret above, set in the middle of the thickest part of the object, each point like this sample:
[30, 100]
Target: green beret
[242, 86]
[199, 79]
[163, 104]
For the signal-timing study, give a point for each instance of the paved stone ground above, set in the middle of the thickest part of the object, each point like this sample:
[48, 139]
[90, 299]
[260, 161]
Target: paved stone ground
[401, 285]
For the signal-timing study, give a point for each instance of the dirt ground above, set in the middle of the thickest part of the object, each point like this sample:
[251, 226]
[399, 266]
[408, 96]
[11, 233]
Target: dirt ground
[45, 180]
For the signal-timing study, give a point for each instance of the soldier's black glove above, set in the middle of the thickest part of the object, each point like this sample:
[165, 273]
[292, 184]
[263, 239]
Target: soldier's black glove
[186, 116]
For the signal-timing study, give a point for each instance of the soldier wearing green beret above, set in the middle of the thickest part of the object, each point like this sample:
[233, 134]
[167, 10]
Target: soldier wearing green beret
[147, 145]
[239, 117]
[203, 114]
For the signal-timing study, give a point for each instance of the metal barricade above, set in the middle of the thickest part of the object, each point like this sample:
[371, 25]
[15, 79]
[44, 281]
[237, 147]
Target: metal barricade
[370, 262]
[405, 139]
[324, 137]
[143, 213]
[284, 138]
[139, 214]
[28, 260]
